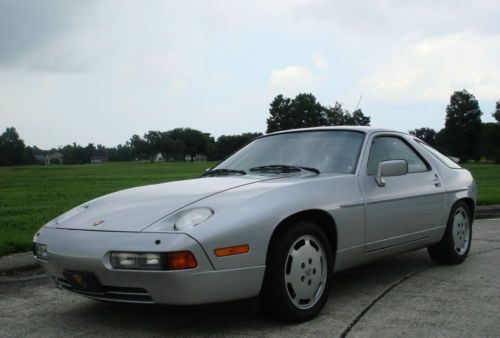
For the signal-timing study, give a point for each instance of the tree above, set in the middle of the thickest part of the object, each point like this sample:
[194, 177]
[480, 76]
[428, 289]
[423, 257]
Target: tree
[29, 155]
[490, 141]
[305, 111]
[301, 112]
[279, 110]
[228, 144]
[11, 147]
[140, 148]
[337, 116]
[191, 141]
[463, 126]
[121, 153]
[428, 135]
[496, 113]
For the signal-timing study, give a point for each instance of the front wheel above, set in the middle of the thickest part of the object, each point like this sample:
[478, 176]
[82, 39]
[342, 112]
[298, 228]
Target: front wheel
[298, 273]
[455, 245]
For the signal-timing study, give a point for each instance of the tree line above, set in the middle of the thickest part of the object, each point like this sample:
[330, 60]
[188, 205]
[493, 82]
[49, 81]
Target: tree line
[463, 136]
[305, 111]
[174, 145]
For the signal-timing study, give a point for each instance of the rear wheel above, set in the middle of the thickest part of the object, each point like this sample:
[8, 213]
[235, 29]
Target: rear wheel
[455, 245]
[298, 274]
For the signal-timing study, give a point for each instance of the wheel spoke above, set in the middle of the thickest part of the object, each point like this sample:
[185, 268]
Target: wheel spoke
[306, 277]
[461, 231]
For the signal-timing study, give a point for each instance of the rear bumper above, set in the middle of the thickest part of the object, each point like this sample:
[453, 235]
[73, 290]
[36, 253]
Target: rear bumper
[88, 251]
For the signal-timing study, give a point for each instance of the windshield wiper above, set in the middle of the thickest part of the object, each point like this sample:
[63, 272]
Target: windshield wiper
[281, 168]
[215, 172]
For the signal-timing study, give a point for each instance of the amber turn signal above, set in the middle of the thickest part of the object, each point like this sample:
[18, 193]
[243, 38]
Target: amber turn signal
[181, 260]
[232, 250]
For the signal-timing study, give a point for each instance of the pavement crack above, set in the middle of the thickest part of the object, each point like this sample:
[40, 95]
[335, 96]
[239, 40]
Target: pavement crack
[360, 315]
[485, 240]
[482, 252]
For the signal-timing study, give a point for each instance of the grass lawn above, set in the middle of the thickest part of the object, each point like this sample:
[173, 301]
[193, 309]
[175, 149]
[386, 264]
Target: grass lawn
[30, 196]
[488, 181]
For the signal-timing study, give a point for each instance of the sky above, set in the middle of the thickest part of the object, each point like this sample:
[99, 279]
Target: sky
[100, 71]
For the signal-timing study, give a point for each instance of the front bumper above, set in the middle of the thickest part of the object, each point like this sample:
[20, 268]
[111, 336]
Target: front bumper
[88, 251]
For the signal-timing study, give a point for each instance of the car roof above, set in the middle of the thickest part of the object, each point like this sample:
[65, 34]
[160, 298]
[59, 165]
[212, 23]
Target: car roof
[364, 129]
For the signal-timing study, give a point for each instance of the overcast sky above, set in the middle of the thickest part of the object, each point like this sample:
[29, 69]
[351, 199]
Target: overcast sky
[100, 71]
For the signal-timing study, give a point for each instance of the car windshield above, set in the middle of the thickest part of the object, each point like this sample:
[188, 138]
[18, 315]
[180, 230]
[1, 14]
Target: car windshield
[330, 151]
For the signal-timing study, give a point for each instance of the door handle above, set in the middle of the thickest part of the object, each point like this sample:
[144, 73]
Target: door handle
[437, 181]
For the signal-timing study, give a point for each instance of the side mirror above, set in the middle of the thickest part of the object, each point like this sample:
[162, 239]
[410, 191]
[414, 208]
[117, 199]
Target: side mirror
[390, 168]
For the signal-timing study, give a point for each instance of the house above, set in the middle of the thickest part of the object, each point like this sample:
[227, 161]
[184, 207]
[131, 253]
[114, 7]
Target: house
[54, 158]
[158, 158]
[98, 159]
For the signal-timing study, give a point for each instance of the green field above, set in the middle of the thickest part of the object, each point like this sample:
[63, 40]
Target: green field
[32, 195]
[488, 181]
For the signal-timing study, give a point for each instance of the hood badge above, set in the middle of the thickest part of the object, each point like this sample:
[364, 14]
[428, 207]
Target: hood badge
[96, 223]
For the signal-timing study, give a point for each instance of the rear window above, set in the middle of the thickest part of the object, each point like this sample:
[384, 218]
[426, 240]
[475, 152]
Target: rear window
[443, 158]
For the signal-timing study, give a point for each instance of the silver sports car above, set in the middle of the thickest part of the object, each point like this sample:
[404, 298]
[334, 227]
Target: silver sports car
[274, 220]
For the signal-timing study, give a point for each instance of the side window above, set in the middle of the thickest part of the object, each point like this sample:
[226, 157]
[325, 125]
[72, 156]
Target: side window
[386, 148]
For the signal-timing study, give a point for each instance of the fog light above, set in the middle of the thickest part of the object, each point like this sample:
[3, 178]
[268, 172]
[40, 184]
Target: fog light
[40, 251]
[137, 261]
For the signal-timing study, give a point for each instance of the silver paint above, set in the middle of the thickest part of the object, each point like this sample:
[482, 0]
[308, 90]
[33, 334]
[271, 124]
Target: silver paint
[410, 212]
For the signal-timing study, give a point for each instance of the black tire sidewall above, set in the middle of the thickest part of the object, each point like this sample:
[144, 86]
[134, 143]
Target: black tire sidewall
[451, 243]
[444, 251]
[276, 301]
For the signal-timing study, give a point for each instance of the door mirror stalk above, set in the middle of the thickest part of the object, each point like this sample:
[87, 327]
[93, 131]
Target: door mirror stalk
[390, 168]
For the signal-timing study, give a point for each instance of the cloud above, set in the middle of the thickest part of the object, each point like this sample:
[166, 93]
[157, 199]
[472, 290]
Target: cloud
[401, 18]
[291, 79]
[431, 69]
[30, 31]
[321, 63]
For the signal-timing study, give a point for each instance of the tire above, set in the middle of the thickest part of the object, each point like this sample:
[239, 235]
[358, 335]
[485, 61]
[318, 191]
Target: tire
[298, 273]
[455, 244]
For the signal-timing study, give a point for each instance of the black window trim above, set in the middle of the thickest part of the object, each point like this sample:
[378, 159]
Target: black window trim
[422, 158]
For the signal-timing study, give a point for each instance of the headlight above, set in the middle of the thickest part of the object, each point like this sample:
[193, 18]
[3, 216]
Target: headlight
[136, 260]
[193, 217]
[40, 251]
[153, 261]
[71, 213]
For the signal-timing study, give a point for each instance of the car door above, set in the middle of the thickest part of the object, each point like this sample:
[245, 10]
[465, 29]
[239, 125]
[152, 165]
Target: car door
[408, 207]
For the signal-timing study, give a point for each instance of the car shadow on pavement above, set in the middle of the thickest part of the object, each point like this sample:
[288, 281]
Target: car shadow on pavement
[352, 291]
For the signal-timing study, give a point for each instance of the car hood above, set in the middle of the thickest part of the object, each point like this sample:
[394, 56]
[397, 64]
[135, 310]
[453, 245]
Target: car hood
[137, 208]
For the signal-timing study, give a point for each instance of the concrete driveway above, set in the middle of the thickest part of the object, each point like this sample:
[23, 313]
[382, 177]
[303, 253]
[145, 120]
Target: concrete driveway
[403, 296]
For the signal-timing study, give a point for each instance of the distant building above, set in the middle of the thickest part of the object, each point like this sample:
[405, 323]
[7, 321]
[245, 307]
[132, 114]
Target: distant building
[98, 159]
[54, 158]
[196, 158]
[158, 158]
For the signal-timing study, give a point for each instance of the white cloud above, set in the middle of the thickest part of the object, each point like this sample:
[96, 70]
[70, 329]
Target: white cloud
[431, 69]
[321, 63]
[292, 79]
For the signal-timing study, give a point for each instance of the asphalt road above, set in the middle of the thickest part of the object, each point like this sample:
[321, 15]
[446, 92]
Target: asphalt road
[402, 296]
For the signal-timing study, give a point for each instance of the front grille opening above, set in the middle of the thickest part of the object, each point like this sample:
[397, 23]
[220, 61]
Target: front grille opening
[112, 293]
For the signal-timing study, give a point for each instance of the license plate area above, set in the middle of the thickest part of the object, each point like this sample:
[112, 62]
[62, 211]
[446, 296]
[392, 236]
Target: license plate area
[83, 282]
